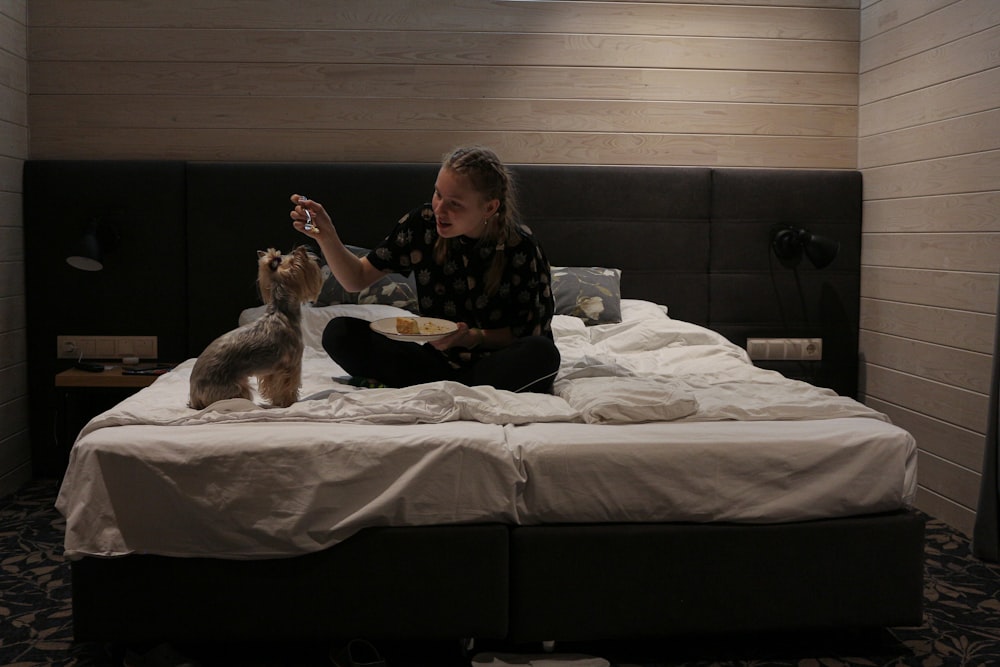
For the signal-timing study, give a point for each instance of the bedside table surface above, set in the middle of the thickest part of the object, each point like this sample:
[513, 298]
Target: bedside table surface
[112, 377]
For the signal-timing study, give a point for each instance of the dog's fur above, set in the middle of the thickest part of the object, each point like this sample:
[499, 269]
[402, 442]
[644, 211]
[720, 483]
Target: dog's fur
[270, 347]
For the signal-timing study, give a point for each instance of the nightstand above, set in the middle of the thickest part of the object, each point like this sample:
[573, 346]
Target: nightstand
[83, 395]
[112, 378]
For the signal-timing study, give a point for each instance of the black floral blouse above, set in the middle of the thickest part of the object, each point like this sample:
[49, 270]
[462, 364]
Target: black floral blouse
[456, 290]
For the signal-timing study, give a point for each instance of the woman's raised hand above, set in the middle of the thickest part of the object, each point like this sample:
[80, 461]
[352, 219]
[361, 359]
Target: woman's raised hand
[309, 216]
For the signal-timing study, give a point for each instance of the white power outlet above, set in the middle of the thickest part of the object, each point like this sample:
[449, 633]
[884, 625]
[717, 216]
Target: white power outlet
[785, 349]
[105, 347]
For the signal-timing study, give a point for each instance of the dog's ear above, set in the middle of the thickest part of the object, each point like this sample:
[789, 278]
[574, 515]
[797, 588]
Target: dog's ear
[261, 253]
[305, 253]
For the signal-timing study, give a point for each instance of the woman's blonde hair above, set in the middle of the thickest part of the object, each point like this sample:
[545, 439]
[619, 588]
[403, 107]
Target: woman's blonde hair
[492, 180]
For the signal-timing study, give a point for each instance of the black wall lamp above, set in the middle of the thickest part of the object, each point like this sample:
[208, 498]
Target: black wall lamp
[789, 243]
[99, 239]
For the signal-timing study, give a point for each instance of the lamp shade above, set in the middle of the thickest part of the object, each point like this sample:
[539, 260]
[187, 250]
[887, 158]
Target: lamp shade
[789, 243]
[88, 253]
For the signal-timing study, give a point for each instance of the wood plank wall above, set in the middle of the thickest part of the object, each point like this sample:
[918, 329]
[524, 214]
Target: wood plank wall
[15, 449]
[929, 146]
[732, 83]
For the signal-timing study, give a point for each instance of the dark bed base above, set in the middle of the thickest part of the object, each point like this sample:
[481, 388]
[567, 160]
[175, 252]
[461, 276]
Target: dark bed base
[447, 581]
[569, 582]
[526, 583]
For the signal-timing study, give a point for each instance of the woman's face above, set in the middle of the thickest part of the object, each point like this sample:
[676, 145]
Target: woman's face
[460, 209]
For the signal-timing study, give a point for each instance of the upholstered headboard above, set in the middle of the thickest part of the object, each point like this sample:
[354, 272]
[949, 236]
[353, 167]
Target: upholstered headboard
[651, 223]
[695, 239]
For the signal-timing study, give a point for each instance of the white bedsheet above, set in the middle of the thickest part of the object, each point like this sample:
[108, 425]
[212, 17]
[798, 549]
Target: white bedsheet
[653, 420]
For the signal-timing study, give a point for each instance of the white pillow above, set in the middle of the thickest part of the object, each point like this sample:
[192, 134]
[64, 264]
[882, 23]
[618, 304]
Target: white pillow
[637, 309]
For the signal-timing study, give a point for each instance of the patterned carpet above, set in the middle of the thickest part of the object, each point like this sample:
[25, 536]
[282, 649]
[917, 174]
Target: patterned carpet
[961, 617]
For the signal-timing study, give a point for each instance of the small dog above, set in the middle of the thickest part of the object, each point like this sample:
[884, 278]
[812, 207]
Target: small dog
[270, 347]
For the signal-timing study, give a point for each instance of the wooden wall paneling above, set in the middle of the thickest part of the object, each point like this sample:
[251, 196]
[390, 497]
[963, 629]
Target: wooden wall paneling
[943, 251]
[939, 363]
[885, 16]
[12, 313]
[961, 445]
[12, 33]
[964, 212]
[772, 84]
[954, 482]
[977, 172]
[929, 90]
[438, 82]
[10, 175]
[11, 278]
[948, 511]
[953, 485]
[524, 147]
[789, 22]
[815, 4]
[335, 113]
[954, 405]
[437, 47]
[959, 290]
[11, 241]
[10, 206]
[13, 386]
[975, 53]
[12, 349]
[957, 328]
[939, 26]
[948, 99]
[14, 112]
[10, 213]
[389, 47]
[13, 72]
[18, 9]
[13, 445]
[15, 448]
[965, 134]
[13, 138]
[826, 4]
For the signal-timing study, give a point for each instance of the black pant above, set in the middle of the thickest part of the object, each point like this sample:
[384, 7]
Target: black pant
[527, 364]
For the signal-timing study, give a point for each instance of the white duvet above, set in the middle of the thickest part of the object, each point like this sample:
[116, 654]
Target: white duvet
[653, 419]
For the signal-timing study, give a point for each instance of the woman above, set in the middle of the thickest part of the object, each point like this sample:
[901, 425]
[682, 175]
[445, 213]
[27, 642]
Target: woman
[474, 265]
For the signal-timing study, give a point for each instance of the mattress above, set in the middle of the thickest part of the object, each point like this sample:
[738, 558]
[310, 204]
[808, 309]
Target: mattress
[652, 420]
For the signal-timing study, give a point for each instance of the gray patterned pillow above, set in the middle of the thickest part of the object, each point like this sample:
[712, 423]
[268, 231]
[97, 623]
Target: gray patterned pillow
[394, 289]
[591, 293]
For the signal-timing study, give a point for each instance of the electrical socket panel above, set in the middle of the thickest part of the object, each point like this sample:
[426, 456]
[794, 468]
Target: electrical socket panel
[105, 347]
[785, 349]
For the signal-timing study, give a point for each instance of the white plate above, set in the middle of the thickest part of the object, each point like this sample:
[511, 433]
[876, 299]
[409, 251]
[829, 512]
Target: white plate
[433, 327]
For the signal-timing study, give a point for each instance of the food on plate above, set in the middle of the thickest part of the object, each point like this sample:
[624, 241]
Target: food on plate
[415, 329]
[407, 326]
[435, 327]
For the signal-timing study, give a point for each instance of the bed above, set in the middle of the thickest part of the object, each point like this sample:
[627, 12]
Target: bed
[669, 486]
